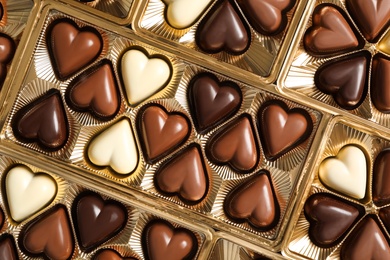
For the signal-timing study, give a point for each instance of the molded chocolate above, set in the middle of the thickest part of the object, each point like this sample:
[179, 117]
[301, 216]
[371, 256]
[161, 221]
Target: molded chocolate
[8, 249]
[380, 81]
[7, 51]
[109, 254]
[381, 179]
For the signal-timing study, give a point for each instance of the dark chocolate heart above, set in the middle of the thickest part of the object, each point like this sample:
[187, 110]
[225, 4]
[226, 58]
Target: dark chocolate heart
[162, 132]
[72, 48]
[330, 218]
[381, 179]
[371, 16]
[49, 235]
[95, 91]
[235, 145]
[8, 248]
[184, 175]
[253, 201]
[211, 101]
[162, 241]
[43, 121]
[282, 129]
[223, 30]
[330, 33]
[109, 254]
[380, 81]
[367, 241]
[268, 17]
[345, 79]
[7, 51]
[97, 220]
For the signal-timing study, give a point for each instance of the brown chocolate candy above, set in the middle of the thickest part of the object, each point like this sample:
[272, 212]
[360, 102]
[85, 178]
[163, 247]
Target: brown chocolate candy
[7, 51]
[161, 132]
[95, 91]
[268, 17]
[254, 201]
[234, 145]
[330, 218]
[44, 121]
[162, 241]
[184, 175]
[8, 248]
[330, 33]
[223, 30]
[72, 48]
[384, 214]
[282, 129]
[1, 11]
[212, 101]
[346, 79]
[2, 218]
[367, 241]
[381, 179]
[97, 220]
[49, 236]
[109, 254]
[380, 81]
[371, 16]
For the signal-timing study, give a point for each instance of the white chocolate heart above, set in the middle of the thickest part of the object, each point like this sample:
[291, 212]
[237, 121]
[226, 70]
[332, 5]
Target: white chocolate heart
[115, 147]
[347, 172]
[181, 14]
[142, 76]
[27, 192]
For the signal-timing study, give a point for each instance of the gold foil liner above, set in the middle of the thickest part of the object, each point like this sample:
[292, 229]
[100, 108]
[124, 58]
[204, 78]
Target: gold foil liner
[297, 78]
[260, 58]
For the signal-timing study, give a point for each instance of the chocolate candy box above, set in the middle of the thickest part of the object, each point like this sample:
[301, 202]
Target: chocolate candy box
[176, 142]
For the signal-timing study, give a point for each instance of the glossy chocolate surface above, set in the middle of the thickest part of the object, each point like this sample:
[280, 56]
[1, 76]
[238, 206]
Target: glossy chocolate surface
[331, 32]
[49, 236]
[109, 254]
[268, 17]
[8, 248]
[44, 121]
[72, 48]
[254, 201]
[223, 30]
[161, 131]
[367, 241]
[95, 91]
[330, 218]
[380, 81]
[346, 79]
[282, 129]
[184, 175]
[97, 220]
[162, 241]
[371, 16]
[7, 51]
[234, 145]
[381, 179]
[212, 101]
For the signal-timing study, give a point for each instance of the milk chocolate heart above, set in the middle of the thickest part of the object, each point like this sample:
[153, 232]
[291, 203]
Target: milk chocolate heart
[8, 249]
[234, 145]
[254, 201]
[223, 30]
[162, 241]
[380, 80]
[95, 91]
[162, 132]
[109, 254]
[330, 33]
[268, 17]
[211, 101]
[72, 48]
[49, 236]
[7, 51]
[184, 175]
[381, 179]
[43, 121]
[282, 129]
[345, 79]
[367, 241]
[330, 218]
[371, 16]
[97, 220]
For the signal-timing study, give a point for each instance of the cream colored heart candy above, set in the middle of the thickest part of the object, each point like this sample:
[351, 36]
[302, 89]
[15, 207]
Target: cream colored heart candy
[181, 14]
[347, 172]
[143, 76]
[27, 192]
[115, 147]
